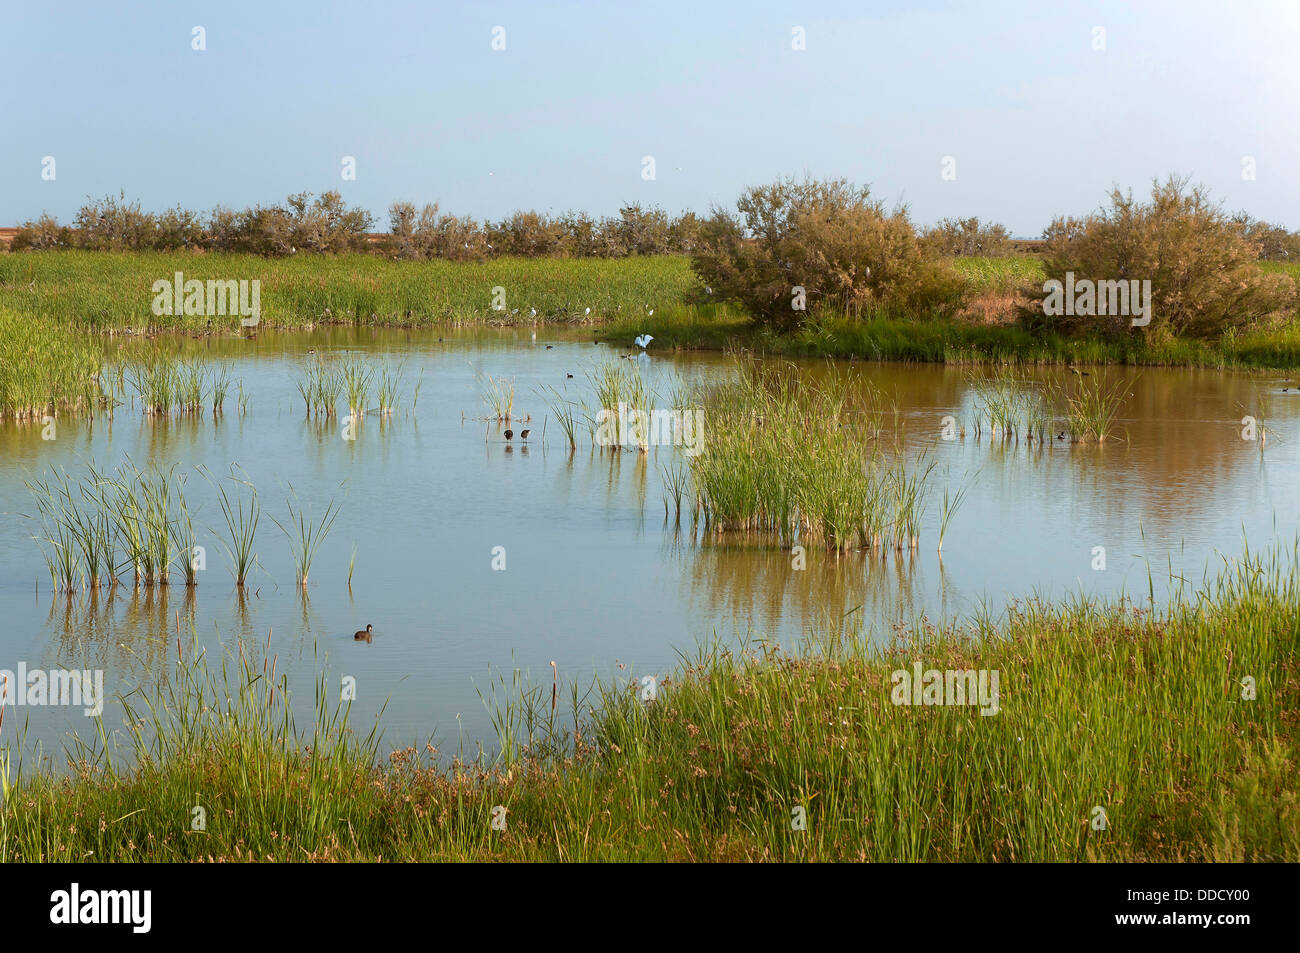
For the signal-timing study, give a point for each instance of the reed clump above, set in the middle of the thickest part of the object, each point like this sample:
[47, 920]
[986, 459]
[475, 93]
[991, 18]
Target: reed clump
[1091, 404]
[98, 526]
[803, 459]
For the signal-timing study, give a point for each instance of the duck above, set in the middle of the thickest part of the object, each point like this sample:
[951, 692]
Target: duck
[365, 634]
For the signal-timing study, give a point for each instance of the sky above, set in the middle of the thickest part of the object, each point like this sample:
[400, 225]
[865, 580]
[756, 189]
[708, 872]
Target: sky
[1011, 111]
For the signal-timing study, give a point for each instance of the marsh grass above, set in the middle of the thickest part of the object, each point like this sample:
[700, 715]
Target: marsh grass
[156, 383]
[305, 535]
[499, 396]
[135, 512]
[948, 507]
[356, 376]
[677, 487]
[389, 387]
[806, 459]
[241, 516]
[1137, 711]
[620, 392]
[564, 411]
[221, 376]
[1009, 407]
[46, 367]
[1091, 404]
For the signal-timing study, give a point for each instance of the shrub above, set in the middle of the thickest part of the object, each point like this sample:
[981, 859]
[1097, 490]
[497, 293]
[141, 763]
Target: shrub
[1274, 242]
[114, 224]
[1203, 271]
[830, 238]
[642, 231]
[966, 237]
[44, 233]
[430, 235]
[529, 234]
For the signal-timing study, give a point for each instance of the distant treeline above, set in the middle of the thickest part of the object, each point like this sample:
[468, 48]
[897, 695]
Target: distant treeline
[325, 224]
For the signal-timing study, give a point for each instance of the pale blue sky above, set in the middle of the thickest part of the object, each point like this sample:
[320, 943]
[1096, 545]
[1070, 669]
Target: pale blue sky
[1038, 122]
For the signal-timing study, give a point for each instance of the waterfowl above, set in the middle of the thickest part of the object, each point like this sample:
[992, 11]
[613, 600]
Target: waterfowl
[568, 375]
[364, 635]
[549, 346]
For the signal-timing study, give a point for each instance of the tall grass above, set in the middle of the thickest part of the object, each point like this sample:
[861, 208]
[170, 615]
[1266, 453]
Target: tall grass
[1091, 405]
[801, 459]
[356, 376]
[139, 513]
[499, 396]
[102, 291]
[305, 535]
[564, 411]
[320, 386]
[46, 367]
[241, 516]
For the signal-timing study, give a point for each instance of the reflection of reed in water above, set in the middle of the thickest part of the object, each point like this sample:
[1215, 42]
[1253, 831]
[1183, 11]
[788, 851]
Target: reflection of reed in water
[760, 589]
[132, 649]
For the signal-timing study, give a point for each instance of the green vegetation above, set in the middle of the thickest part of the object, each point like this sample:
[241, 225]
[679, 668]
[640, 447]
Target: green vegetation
[85, 524]
[45, 369]
[110, 291]
[1141, 714]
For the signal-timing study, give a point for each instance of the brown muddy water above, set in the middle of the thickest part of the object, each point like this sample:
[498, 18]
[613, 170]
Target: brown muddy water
[595, 577]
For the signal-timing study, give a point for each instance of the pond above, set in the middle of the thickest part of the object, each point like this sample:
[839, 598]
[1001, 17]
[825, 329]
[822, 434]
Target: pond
[590, 573]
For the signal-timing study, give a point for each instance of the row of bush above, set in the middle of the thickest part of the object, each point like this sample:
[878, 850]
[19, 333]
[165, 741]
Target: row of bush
[796, 248]
[325, 223]
[635, 231]
[303, 223]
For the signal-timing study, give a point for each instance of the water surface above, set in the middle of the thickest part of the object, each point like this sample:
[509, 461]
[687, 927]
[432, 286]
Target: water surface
[596, 579]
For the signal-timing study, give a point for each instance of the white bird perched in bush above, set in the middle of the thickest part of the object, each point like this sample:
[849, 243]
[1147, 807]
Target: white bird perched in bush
[643, 339]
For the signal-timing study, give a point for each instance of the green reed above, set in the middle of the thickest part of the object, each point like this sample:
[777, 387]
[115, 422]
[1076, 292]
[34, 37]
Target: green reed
[499, 396]
[241, 516]
[802, 458]
[389, 387]
[1091, 404]
[306, 535]
[564, 411]
[157, 384]
[356, 376]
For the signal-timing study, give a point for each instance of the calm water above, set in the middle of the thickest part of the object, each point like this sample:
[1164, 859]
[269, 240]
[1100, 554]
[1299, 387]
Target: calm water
[595, 579]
